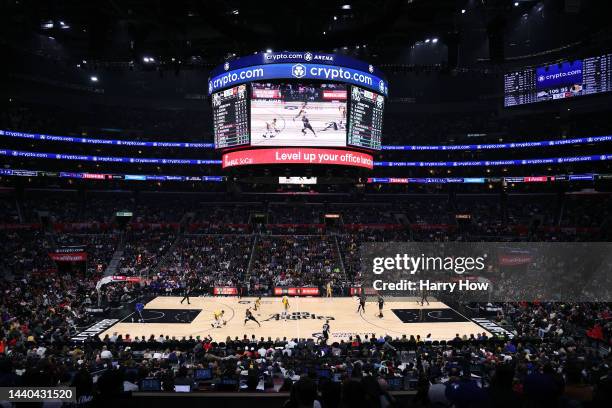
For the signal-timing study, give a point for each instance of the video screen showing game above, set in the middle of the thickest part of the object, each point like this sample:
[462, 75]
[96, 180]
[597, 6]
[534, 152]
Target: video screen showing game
[294, 114]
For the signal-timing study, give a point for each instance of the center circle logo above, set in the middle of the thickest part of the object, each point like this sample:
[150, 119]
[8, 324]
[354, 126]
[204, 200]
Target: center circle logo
[298, 70]
[308, 56]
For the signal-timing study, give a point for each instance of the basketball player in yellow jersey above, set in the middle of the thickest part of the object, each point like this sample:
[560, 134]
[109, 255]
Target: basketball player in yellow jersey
[329, 289]
[257, 303]
[219, 322]
[285, 303]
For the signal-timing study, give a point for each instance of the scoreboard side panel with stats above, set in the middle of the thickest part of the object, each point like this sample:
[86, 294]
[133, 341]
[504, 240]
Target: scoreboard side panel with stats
[231, 117]
[559, 81]
[365, 119]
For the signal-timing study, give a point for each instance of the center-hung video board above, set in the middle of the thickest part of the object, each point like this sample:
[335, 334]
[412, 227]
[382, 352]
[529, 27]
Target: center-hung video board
[297, 99]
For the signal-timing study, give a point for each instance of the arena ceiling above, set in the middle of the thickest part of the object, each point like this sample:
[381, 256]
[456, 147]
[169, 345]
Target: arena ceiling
[204, 32]
[212, 28]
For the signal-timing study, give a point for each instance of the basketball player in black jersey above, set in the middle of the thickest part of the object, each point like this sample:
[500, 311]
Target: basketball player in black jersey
[381, 304]
[362, 302]
[325, 332]
[248, 315]
[186, 294]
[307, 125]
[424, 297]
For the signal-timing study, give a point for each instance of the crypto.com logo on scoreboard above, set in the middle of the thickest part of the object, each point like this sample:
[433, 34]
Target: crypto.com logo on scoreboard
[301, 65]
[556, 75]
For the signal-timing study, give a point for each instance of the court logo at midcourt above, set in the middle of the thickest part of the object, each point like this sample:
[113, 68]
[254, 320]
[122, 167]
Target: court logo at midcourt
[297, 316]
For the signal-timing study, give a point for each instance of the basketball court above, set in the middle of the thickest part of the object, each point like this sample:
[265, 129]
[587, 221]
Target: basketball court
[304, 319]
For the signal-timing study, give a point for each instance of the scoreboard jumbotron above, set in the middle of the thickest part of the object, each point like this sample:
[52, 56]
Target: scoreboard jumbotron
[297, 108]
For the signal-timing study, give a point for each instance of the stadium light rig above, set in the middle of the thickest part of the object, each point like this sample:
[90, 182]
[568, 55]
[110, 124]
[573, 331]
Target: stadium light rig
[93, 78]
[346, 7]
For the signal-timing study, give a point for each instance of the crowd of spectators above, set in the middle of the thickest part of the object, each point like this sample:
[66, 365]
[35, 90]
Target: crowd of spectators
[297, 213]
[24, 251]
[295, 261]
[8, 211]
[99, 248]
[556, 359]
[559, 355]
[586, 211]
[201, 262]
[144, 250]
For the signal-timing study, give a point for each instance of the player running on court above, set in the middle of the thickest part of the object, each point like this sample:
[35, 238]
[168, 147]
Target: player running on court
[258, 303]
[305, 121]
[307, 126]
[248, 315]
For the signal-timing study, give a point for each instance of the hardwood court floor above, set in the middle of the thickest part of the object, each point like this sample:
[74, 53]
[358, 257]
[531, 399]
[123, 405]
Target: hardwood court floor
[305, 318]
